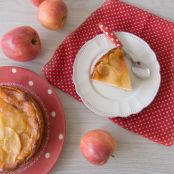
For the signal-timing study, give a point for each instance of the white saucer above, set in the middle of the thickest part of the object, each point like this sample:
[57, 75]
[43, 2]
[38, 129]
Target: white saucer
[106, 100]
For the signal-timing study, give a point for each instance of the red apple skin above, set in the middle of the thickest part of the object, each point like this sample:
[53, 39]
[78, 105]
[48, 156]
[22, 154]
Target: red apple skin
[21, 44]
[97, 146]
[52, 14]
[37, 2]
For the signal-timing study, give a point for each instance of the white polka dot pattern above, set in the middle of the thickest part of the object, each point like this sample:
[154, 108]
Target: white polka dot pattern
[13, 70]
[30, 83]
[50, 91]
[60, 136]
[156, 121]
[47, 155]
[110, 35]
[53, 114]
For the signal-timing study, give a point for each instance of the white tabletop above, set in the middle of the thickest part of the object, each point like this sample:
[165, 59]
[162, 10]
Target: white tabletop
[134, 154]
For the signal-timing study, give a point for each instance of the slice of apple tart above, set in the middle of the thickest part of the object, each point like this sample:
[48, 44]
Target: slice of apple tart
[111, 69]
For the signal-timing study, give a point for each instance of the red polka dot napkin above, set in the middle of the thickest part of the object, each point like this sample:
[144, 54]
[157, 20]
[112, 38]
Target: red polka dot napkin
[156, 122]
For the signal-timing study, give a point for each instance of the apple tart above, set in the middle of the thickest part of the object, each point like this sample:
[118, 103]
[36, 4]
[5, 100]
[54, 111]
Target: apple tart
[21, 127]
[111, 69]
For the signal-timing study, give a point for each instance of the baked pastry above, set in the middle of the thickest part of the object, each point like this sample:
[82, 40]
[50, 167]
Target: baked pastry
[21, 127]
[111, 69]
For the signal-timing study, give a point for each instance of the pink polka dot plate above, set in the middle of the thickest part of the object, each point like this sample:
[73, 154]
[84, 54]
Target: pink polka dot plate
[109, 101]
[55, 129]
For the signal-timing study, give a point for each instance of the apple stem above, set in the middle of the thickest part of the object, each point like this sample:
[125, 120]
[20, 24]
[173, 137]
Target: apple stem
[63, 18]
[33, 41]
[113, 156]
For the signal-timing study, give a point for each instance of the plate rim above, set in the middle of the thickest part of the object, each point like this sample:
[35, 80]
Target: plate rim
[88, 104]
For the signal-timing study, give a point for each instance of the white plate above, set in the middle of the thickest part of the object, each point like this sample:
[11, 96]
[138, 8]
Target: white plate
[106, 100]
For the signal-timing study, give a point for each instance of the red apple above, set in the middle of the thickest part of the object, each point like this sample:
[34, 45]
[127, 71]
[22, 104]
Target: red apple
[37, 2]
[21, 44]
[97, 146]
[52, 14]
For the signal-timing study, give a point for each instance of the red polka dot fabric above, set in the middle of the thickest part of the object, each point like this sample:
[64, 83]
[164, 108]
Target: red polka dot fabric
[156, 122]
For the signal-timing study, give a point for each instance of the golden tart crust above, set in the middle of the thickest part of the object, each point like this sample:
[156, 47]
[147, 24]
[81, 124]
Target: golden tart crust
[111, 69]
[21, 127]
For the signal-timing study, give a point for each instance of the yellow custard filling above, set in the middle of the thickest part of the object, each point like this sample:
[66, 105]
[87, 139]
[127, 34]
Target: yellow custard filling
[14, 132]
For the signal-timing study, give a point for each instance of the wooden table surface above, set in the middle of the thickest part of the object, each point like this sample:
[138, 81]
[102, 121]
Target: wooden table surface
[135, 155]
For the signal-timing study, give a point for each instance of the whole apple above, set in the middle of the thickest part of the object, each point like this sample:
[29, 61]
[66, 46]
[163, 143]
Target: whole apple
[37, 2]
[21, 44]
[52, 14]
[97, 146]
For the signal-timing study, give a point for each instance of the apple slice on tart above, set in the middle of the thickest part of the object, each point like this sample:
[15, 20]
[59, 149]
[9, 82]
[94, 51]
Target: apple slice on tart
[111, 69]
